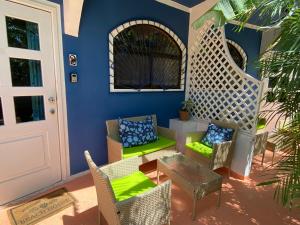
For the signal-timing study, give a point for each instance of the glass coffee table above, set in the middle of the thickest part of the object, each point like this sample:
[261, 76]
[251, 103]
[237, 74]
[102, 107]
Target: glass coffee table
[196, 180]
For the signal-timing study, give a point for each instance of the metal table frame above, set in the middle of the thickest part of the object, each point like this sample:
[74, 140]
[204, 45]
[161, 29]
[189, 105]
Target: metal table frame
[195, 186]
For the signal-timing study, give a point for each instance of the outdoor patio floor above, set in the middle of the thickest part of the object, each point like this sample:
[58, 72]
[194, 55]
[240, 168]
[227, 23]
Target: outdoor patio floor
[242, 203]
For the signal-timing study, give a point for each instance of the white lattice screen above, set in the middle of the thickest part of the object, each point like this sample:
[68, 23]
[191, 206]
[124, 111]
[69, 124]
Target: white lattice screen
[219, 89]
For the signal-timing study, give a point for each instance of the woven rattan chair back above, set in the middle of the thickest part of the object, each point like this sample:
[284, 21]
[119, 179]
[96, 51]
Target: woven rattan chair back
[112, 126]
[105, 196]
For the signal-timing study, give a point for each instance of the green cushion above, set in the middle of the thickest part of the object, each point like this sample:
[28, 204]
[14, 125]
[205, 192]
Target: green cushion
[132, 185]
[200, 148]
[161, 143]
[261, 124]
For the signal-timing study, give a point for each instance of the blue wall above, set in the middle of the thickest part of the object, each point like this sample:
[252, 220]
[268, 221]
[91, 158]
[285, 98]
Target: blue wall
[189, 3]
[249, 40]
[89, 102]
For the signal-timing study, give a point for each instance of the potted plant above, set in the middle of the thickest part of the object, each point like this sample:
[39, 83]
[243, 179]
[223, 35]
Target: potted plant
[184, 111]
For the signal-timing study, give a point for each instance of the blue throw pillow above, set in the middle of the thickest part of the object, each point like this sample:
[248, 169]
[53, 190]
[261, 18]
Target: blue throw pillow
[216, 135]
[135, 133]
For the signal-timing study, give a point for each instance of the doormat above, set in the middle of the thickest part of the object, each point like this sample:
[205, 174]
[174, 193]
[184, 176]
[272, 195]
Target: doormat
[41, 208]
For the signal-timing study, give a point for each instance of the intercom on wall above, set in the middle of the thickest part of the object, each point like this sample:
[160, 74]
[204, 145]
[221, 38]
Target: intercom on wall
[74, 77]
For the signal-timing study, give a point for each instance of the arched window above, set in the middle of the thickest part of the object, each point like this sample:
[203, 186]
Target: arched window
[146, 56]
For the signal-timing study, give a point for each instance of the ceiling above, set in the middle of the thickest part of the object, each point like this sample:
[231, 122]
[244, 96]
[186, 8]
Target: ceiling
[188, 3]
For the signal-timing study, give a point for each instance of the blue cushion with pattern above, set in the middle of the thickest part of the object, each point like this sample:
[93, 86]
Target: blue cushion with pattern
[216, 135]
[135, 133]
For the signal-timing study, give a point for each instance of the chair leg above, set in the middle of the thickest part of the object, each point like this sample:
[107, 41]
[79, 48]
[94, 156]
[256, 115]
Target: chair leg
[194, 207]
[99, 217]
[273, 157]
[169, 221]
[263, 158]
[228, 173]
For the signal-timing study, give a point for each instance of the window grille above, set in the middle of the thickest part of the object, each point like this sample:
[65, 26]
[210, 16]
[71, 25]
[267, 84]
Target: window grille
[146, 56]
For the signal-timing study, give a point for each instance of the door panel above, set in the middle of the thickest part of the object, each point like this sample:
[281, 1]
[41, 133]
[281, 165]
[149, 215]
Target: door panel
[26, 163]
[29, 135]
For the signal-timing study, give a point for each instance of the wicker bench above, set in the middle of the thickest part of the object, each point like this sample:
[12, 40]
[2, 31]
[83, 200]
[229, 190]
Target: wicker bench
[164, 146]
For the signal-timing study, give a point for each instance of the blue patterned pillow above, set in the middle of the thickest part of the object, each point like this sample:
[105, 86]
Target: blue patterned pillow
[135, 133]
[216, 135]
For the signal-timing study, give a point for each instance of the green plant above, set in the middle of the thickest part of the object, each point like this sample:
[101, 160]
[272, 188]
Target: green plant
[281, 61]
[187, 105]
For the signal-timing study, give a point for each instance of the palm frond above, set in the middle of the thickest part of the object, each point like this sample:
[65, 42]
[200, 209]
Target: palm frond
[226, 10]
[270, 12]
[287, 176]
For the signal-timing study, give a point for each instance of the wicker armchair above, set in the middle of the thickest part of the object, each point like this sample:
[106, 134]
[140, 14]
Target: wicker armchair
[115, 148]
[222, 153]
[149, 208]
[260, 144]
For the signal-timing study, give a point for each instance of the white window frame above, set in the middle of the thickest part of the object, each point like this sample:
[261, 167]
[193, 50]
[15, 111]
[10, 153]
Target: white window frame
[119, 29]
[241, 51]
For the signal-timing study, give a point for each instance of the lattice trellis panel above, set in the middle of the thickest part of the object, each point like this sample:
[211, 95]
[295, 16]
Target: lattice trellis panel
[219, 89]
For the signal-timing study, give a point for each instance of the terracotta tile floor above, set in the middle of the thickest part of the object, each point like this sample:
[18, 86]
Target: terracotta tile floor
[242, 203]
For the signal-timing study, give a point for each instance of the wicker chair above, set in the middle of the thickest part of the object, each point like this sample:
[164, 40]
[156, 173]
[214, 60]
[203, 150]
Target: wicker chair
[222, 153]
[149, 208]
[260, 144]
[115, 148]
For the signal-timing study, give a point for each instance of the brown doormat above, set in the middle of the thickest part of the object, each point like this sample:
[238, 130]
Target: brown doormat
[41, 208]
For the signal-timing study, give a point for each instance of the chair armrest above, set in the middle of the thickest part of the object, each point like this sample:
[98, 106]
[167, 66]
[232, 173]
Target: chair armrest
[166, 132]
[222, 155]
[121, 168]
[194, 136]
[151, 207]
[115, 150]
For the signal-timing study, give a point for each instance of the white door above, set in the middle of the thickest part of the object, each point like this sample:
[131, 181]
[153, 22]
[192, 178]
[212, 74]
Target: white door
[29, 136]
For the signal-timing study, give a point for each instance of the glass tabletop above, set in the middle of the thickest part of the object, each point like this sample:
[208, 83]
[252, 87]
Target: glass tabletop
[189, 169]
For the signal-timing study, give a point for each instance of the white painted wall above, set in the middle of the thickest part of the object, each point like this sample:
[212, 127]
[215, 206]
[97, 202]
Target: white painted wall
[268, 36]
[72, 16]
[243, 154]
[184, 127]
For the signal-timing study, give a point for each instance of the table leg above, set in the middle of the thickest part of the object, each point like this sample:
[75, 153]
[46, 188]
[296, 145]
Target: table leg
[219, 198]
[157, 176]
[194, 207]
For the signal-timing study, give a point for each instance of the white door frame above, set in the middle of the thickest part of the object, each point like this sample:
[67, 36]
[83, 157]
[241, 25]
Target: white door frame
[54, 10]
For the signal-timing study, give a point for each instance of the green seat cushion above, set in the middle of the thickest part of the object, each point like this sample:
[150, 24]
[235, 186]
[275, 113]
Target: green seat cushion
[140, 150]
[261, 124]
[131, 185]
[200, 148]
